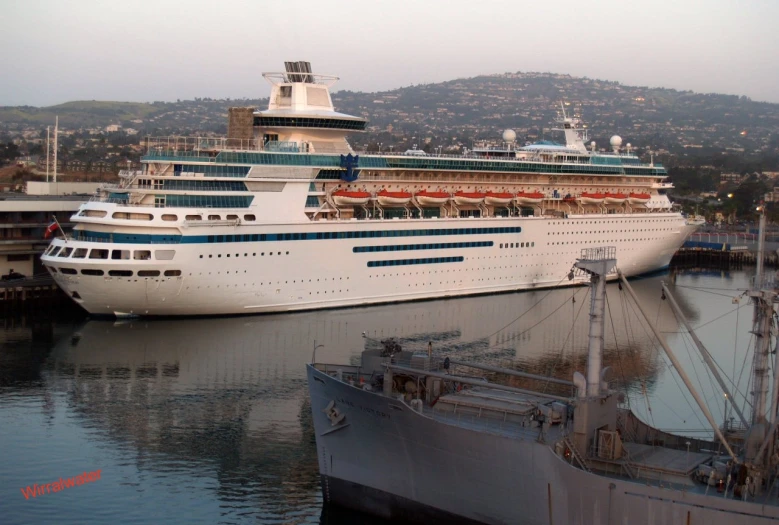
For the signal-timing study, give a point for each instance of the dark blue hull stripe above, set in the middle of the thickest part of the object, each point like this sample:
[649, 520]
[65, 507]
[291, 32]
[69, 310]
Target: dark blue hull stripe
[132, 238]
[433, 246]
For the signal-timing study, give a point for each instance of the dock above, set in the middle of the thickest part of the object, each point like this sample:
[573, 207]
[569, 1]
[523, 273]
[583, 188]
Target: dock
[29, 291]
[720, 259]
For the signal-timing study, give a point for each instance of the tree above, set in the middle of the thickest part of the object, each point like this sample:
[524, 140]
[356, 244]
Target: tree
[8, 152]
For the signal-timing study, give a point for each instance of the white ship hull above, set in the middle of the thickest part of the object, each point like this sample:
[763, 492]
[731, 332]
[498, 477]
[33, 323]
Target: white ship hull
[244, 278]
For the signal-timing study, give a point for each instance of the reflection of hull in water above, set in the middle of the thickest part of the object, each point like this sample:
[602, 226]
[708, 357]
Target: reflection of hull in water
[203, 352]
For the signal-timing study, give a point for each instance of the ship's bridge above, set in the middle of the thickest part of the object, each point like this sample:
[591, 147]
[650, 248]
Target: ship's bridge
[301, 111]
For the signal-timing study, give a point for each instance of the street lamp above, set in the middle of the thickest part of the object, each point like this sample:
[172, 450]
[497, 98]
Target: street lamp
[379, 147]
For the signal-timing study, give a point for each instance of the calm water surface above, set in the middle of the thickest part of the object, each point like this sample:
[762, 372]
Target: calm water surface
[208, 420]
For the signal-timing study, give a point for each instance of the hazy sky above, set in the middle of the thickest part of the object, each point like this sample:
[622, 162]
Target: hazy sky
[54, 51]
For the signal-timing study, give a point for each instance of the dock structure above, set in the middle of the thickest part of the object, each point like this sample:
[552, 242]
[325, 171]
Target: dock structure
[29, 291]
[722, 259]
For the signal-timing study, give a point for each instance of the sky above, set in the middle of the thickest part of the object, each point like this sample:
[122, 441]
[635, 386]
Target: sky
[55, 51]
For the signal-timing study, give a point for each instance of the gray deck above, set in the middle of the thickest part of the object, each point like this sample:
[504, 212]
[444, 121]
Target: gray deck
[659, 459]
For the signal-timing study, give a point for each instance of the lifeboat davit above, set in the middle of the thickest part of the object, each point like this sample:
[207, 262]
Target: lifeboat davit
[532, 197]
[639, 198]
[350, 198]
[432, 198]
[464, 197]
[498, 198]
[393, 198]
[591, 198]
[615, 198]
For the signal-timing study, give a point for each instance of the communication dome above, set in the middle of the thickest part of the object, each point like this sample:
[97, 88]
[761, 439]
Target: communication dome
[509, 135]
[615, 141]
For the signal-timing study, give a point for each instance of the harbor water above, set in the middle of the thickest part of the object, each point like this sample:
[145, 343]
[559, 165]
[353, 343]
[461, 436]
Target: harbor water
[208, 420]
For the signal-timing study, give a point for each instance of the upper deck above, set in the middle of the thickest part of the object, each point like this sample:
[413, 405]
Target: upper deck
[226, 151]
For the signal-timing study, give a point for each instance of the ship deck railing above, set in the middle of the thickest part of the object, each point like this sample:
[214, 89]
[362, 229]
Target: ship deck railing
[482, 423]
[200, 148]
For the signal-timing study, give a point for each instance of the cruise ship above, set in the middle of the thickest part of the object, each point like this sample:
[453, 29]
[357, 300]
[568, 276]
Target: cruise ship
[283, 215]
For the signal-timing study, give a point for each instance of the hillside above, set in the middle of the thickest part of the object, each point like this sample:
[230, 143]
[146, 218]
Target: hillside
[457, 112]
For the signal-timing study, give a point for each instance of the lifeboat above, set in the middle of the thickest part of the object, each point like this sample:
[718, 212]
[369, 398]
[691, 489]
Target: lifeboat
[464, 197]
[432, 198]
[639, 198]
[615, 198]
[393, 198]
[350, 198]
[498, 198]
[591, 198]
[533, 197]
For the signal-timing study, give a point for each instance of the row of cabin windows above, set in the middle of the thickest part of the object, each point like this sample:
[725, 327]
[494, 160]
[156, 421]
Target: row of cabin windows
[518, 245]
[100, 253]
[116, 273]
[170, 217]
[254, 254]
[359, 234]
[405, 262]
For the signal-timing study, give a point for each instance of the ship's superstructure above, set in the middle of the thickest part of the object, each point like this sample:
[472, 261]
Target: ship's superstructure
[283, 215]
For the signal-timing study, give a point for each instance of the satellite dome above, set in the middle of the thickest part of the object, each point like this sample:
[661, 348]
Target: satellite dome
[509, 135]
[615, 141]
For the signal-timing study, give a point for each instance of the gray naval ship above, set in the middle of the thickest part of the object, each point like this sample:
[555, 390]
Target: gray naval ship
[412, 437]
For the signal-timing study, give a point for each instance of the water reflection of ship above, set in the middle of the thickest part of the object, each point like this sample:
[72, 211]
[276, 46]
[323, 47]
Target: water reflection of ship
[209, 397]
[232, 393]
[550, 336]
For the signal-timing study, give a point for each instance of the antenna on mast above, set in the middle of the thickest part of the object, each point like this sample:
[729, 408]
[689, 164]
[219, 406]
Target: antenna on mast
[56, 129]
[48, 150]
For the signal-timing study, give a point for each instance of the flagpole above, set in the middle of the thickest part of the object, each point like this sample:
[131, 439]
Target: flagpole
[60, 228]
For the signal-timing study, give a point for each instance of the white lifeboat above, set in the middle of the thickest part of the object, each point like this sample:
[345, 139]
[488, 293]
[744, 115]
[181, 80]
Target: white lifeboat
[464, 197]
[350, 198]
[591, 198]
[498, 198]
[615, 198]
[639, 198]
[532, 197]
[393, 198]
[432, 198]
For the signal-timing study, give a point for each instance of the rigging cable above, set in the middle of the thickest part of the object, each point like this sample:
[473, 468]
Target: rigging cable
[562, 347]
[552, 289]
[652, 337]
[616, 346]
[631, 337]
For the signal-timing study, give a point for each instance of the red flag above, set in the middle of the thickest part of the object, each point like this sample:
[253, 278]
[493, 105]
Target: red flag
[51, 228]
